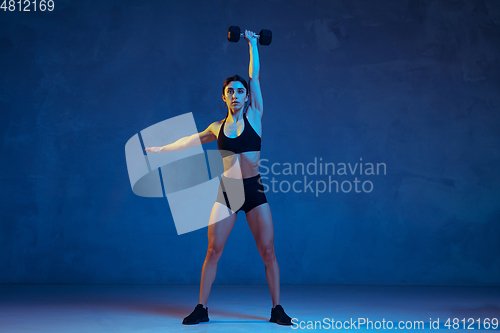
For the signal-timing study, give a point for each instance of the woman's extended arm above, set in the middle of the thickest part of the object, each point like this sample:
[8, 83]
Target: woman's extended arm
[187, 141]
[253, 71]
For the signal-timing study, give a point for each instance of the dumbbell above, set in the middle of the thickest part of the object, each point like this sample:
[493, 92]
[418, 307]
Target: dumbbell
[234, 33]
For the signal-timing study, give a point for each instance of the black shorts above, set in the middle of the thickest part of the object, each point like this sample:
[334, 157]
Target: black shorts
[253, 188]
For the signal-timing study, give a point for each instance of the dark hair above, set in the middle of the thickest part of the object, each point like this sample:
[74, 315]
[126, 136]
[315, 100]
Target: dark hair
[234, 78]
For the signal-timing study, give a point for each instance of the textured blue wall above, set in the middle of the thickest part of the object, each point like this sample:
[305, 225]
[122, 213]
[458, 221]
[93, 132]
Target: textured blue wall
[412, 84]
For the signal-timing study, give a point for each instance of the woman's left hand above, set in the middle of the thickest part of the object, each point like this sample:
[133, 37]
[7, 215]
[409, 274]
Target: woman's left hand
[250, 36]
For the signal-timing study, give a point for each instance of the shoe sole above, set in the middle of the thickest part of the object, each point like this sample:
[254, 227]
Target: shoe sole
[203, 320]
[280, 323]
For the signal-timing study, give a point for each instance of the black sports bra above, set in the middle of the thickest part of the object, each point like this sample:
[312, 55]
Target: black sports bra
[248, 140]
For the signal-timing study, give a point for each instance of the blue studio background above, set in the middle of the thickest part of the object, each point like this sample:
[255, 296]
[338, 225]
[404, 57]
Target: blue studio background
[413, 84]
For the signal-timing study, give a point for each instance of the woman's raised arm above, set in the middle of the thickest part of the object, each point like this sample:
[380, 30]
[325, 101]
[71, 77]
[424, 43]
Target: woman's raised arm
[253, 71]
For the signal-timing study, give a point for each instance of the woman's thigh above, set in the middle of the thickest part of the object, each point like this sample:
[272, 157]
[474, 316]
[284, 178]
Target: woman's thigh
[220, 225]
[260, 222]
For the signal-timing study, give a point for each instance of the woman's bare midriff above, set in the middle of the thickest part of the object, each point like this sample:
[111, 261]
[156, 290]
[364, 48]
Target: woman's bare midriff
[243, 165]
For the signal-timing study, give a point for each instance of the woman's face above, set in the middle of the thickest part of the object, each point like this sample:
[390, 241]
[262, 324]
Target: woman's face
[235, 95]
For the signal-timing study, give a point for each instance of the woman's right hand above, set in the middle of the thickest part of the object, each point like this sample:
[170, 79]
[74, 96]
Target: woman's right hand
[250, 36]
[153, 149]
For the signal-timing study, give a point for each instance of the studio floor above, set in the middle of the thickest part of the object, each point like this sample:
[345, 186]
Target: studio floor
[242, 308]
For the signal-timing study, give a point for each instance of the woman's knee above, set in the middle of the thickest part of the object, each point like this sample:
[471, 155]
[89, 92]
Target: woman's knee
[268, 254]
[214, 253]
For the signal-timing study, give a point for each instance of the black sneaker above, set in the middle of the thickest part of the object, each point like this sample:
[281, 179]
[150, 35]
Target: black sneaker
[279, 316]
[198, 315]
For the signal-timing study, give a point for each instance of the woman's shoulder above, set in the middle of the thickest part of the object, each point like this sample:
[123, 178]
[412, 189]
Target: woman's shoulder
[215, 126]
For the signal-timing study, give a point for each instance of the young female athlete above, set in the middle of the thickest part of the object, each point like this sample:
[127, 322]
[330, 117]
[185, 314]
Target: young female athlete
[239, 133]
